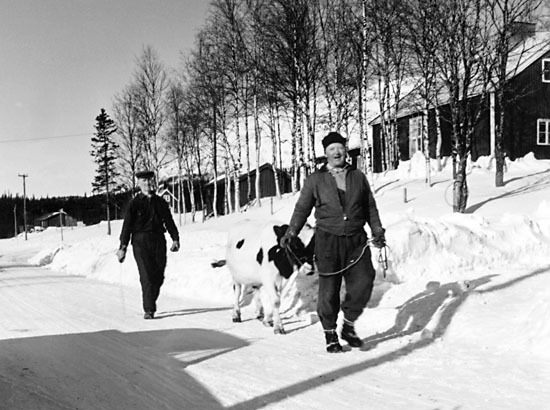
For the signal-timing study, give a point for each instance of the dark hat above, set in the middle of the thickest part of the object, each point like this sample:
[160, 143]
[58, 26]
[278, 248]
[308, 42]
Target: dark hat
[333, 137]
[145, 174]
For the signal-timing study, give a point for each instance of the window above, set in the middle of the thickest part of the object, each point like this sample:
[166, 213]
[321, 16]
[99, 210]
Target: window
[543, 132]
[415, 135]
[546, 70]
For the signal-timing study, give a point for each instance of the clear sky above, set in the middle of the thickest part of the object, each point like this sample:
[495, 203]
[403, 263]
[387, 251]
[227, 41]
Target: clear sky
[61, 62]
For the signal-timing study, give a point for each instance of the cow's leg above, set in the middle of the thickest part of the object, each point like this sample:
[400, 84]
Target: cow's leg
[259, 309]
[266, 302]
[272, 303]
[277, 323]
[236, 302]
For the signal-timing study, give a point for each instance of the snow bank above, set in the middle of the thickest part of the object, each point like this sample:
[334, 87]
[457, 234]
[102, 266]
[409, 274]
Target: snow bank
[423, 247]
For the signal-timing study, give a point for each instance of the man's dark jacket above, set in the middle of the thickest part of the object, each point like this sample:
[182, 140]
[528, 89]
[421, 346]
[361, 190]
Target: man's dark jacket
[320, 191]
[147, 214]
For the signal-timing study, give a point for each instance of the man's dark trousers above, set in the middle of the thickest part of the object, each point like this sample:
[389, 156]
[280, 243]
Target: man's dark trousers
[333, 253]
[150, 254]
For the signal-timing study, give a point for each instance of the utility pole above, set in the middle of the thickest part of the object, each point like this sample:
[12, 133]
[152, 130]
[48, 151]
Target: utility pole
[15, 220]
[24, 176]
[61, 222]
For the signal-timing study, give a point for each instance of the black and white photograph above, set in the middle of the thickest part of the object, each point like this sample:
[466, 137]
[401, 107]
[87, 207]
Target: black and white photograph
[274, 204]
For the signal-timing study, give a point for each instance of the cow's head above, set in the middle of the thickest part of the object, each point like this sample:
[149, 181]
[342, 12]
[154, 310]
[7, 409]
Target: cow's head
[297, 254]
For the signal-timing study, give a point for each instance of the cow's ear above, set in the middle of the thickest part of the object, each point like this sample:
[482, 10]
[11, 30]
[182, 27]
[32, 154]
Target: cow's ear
[279, 230]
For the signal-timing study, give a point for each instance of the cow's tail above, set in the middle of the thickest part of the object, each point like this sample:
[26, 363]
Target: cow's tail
[218, 264]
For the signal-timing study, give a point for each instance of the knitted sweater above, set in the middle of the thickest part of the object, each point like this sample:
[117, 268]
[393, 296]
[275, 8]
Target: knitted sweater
[320, 191]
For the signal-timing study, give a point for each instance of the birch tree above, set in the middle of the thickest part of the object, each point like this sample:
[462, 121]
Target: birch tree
[462, 27]
[505, 15]
[129, 150]
[389, 57]
[423, 41]
[151, 83]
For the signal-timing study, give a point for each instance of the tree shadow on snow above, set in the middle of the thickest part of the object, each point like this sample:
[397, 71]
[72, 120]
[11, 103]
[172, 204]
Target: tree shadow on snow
[526, 176]
[110, 369]
[541, 183]
[387, 184]
[430, 310]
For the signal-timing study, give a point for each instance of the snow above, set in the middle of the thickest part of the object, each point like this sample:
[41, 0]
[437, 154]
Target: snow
[459, 321]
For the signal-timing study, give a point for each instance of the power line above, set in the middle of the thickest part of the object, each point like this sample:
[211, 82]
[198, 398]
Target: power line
[45, 138]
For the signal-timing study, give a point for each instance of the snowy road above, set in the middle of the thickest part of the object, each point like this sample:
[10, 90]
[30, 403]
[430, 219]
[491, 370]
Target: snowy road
[67, 342]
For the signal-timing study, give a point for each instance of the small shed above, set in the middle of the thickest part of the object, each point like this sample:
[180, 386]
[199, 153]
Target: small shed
[170, 198]
[59, 218]
[267, 186]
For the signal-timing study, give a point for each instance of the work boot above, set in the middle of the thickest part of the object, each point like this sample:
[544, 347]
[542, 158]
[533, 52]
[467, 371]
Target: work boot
[149, 315]
[333, 344]
[349, 335]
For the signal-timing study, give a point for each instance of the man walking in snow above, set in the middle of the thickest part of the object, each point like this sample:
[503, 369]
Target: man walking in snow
[147, 219]
[343, 203]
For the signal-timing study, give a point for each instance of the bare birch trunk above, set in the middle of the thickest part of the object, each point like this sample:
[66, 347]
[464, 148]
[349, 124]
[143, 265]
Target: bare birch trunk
[499, 151]
[215, 163]
[426, 144]
[191, 190]
[439, 142]
[294, 149]
[228, 202]
[258, 158]
[247, 145]
[460, 191]
[181, 199]
[273, 131]
[238, 165]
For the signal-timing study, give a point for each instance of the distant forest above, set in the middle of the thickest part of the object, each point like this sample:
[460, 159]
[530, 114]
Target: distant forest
[86, 209]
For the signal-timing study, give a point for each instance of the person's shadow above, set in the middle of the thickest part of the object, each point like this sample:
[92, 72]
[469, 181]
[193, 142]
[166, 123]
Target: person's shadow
[428, 312]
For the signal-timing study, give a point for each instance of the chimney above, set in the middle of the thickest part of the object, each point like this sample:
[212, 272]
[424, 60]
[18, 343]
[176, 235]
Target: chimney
[521, 31]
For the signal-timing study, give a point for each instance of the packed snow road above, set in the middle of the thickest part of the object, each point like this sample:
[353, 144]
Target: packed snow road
[67, 342]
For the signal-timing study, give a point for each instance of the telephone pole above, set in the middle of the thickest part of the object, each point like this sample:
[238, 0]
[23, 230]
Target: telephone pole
[15, 220]
[24, 176]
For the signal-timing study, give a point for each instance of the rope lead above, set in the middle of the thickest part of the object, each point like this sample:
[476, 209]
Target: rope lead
[383, 258]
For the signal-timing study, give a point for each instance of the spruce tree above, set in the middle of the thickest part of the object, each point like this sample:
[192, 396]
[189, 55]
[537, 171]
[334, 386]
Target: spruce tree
[104, 154]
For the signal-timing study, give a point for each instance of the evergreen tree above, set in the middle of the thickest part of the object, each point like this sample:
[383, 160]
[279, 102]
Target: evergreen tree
[104, 153]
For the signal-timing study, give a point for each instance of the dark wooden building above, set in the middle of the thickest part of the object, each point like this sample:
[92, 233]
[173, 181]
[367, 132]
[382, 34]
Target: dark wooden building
[170, 191]
[527, 116]
[59, 218]
[267, 187]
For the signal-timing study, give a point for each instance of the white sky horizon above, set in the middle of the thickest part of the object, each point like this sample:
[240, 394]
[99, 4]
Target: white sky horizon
[62, 62]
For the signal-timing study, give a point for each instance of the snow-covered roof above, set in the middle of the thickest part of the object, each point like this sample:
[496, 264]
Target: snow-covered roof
[519, 59]
[50, 215]
[527, 52]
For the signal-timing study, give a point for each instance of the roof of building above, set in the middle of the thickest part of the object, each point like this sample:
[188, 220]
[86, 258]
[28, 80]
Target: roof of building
[49, 216]
[520, 58]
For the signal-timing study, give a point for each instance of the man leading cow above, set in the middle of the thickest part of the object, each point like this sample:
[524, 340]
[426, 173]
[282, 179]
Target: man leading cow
[343, 203]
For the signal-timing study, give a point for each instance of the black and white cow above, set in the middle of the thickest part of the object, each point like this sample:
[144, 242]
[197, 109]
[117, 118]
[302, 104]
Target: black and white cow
[255, 259]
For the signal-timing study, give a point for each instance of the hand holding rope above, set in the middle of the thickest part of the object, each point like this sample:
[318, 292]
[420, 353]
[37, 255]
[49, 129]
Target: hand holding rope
[382, 258]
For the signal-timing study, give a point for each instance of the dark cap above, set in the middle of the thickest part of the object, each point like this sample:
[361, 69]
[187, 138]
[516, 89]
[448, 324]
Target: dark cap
[145, 174]
[333, 137]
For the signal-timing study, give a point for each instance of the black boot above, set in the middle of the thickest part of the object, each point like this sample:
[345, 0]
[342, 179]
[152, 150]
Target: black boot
[349, 335]
[333, 344]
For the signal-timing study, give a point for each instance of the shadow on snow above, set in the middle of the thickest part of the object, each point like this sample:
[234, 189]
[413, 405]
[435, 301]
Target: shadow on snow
[414, 316]
[137, 370]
